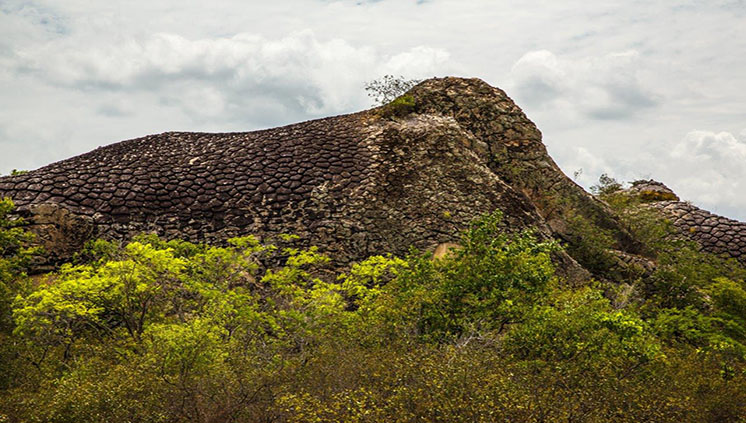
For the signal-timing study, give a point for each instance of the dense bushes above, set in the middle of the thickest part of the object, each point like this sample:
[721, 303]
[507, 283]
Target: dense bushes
[157, 331]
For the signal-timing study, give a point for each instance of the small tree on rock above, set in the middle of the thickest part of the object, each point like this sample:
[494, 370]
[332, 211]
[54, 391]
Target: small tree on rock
[386, 89]
[606, 185]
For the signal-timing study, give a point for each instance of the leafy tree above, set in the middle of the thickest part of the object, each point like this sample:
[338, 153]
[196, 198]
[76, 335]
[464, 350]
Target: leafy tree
[692, 296]
[606, 185]
[118, 298]
[15, 256]
[491, 281]
[171, 331]
[196, 320]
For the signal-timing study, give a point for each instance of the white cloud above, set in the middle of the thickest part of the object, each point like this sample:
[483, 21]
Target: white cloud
[705, 146]
[297, 73]
[605, 87]
[584, 167]
[708, 168]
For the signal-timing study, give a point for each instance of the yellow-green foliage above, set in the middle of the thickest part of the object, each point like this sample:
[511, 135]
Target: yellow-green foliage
[650, 196]
[15, 255]
[487, 284]
[158, 331]
[399, 107]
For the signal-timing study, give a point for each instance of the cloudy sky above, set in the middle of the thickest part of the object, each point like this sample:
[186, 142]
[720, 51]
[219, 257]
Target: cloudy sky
[635, 89]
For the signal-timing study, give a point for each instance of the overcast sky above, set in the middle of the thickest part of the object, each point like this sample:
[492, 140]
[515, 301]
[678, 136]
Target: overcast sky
[635, 89]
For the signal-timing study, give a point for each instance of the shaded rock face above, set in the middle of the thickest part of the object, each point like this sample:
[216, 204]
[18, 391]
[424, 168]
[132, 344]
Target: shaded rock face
[62, 232]
[517, 155]
[715, 234]
[355, 185]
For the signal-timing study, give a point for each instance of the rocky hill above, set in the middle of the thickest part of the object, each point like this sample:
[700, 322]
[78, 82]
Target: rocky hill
[411, 173]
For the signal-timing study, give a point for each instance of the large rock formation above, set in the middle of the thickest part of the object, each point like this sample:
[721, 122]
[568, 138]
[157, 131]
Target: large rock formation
[355, 185]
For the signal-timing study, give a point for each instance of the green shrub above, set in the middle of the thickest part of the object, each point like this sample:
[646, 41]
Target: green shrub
[490, 282]
[171, 331]
[399, 107]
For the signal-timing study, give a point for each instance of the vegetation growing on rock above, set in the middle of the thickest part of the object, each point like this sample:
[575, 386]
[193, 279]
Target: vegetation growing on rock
[399, 107]
[387, 88]
[562, 306]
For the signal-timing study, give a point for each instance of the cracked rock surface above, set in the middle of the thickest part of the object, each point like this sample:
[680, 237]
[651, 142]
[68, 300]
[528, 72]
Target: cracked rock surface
[715, 234]
[354, 185]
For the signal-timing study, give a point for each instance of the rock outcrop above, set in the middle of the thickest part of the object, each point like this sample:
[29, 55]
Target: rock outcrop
[652, 191]
[715, 234]
[376, 181]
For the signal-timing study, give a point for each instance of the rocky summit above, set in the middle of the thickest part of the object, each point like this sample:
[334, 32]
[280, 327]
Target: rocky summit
[414, 172]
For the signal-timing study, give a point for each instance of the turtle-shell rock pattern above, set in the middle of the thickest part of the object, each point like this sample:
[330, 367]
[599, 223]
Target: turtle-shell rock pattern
[355, 185]
[714, 234]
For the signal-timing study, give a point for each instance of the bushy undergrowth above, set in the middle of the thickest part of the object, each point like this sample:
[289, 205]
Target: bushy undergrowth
[157, 331]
